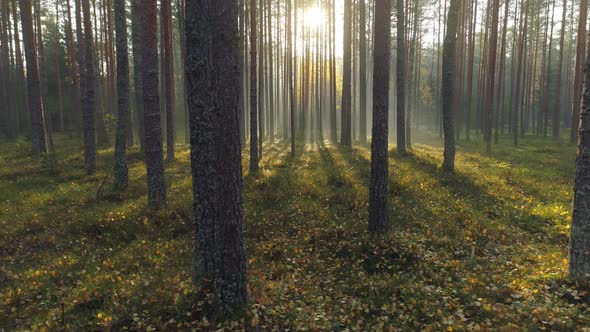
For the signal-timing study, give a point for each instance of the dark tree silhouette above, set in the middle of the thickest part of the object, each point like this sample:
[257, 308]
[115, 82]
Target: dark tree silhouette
[120, 168]
[379, 172]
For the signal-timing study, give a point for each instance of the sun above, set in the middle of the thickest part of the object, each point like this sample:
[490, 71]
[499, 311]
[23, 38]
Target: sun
[313, 17]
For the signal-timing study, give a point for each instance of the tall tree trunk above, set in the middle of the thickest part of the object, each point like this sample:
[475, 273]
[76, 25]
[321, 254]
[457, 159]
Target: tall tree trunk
[151, 100]
[5, 69]
[333, 115]
[38, 137]
[363, 73]
[345, 135]
[557, 108]
[212, 29]
[59, 103]
[379, 170]
[491, 76]
[166, 26]
[253, 91]
[579, 251]
[448, 84]
[578, 70]
[43, 77]
[21, 102]
[88, 101]
[73, 68]
[136, 24]
[120, 167]
[401, 78]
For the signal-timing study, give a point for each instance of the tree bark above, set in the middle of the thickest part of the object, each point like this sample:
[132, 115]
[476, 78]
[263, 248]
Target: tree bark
[212, 37]
[120, 167]
[379, 171]
[151, 100]
[448, 68]
[578, 70]
[579, 251]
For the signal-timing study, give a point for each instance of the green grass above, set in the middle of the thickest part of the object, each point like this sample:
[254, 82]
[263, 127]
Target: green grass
[484, 248]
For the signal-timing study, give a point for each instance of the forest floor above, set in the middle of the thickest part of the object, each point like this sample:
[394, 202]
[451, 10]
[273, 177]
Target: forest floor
[483, 249]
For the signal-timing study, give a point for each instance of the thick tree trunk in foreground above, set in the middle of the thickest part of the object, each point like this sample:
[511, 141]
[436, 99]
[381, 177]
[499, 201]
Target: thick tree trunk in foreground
[448, 81]
[579, 262]
[38, 136]
[401, 78]
[212, 37]
[120, 167]
[379, 171]
[154, 159]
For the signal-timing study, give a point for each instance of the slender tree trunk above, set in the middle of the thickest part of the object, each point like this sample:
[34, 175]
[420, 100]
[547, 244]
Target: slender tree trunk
[38, 137]
[557, 107]
[345, 135]
[166, 26]
[447, 86]
[136, 24]
[59, 104]
[151, 100]
[401, 78]
[363, 73]
[491, 77]
[253, 91]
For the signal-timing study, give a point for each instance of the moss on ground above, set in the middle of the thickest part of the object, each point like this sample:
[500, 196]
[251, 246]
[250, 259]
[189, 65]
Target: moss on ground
[483, 249]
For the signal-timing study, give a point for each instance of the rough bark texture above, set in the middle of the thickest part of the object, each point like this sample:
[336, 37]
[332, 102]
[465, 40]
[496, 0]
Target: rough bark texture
[345, 134]
[579, 262]
[401, 78]
[120, 167]
[166, 26]
[137, 78]
[213, 79]
[379, 171]
[253, 92]
[154, 159]
[448, 81]
[33, 83]
[578, 70]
